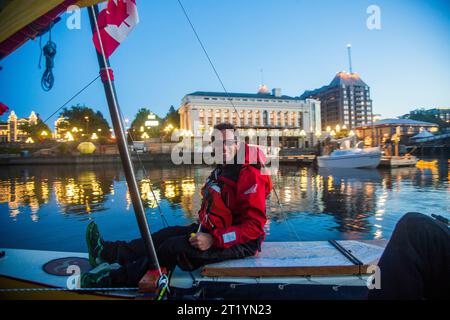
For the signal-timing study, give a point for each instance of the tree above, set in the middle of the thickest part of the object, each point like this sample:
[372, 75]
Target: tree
[83, 122]
[38, 132]
[170, 123]
[172, 118]
[429, 118]
[141, 129]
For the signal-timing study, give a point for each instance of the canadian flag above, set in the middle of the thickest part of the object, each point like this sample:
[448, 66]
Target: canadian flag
[3, 108]
[115, 23]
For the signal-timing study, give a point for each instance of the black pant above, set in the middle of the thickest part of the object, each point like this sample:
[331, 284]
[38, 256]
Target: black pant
[416, 261]
[172, 248]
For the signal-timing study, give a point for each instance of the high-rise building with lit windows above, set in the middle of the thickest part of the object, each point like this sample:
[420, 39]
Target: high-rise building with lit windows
[345, 101]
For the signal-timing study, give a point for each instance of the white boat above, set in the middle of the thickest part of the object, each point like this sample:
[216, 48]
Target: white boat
[351, 158]
[398, 161]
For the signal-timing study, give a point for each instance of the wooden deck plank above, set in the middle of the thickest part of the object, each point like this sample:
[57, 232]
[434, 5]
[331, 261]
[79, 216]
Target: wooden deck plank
[315, 258]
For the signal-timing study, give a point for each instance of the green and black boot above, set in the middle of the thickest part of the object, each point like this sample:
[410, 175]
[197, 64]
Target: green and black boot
[97, 278]
[95, 244]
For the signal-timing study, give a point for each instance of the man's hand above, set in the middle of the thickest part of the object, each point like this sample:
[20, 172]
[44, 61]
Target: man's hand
[201, 241]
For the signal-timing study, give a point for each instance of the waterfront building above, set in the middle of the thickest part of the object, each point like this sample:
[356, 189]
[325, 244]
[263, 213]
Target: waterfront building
[442, 113]
[377, 133]
[345, 101]
[61, 128]
[296, 120]
[3, 132]
[376, 117]
[12, 130]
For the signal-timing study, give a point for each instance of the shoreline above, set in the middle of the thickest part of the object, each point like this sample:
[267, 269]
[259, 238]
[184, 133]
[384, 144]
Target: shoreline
[85, 159]
[158, 158]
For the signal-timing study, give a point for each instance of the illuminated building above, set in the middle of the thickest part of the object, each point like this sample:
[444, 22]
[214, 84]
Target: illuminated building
[12, 130]
[345, 101]
[381, 130]
[259, 113]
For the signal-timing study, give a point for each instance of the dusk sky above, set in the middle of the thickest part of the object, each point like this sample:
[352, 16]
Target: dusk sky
[299, 44]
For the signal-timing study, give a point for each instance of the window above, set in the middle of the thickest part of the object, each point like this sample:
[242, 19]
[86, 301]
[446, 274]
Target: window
[265, 118]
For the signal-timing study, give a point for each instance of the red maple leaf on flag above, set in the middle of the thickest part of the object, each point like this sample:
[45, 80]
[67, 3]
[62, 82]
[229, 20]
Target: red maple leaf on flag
[114, 23]
[117, 12]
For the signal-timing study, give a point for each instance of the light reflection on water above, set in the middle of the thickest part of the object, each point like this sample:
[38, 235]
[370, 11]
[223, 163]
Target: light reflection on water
[48, 207]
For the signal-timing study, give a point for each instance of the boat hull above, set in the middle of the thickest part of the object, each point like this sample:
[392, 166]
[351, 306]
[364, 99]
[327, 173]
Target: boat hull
[308, 269]
[366, 160]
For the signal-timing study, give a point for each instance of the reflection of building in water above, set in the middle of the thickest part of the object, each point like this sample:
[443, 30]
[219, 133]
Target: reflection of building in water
[169, 184]
[297, 190]
[350, 195]
[185, 192]
[422, 177]
[191, 198]
[24, 192]
[84, 193]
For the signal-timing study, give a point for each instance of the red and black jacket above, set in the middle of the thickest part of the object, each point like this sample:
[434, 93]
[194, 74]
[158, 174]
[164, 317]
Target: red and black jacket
[234, 201]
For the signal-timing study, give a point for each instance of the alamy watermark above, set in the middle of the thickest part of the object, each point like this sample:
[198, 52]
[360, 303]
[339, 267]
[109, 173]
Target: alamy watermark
[73, 281]
[235, 147]
[373, 21]
[374, 280]
[73, 21]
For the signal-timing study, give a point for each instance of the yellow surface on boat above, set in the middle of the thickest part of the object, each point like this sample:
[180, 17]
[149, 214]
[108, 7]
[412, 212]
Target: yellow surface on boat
[39, 294]
[426, 164]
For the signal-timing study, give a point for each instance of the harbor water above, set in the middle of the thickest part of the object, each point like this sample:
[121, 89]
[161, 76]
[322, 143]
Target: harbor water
[48, 207]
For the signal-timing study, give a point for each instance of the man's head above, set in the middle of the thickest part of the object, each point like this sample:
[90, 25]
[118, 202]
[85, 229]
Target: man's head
[228, 139]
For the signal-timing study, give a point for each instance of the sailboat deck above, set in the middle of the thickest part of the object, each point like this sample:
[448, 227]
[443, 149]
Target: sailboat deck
[310, 258]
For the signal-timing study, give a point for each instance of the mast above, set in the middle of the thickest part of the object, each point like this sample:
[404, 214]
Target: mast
[124, 152]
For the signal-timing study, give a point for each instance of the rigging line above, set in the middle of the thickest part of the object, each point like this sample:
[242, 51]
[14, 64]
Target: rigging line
[73, 97]
[121, 120]
[163, 218]
[215, 71]
[207, 56]
[65, 103]
[67, 289]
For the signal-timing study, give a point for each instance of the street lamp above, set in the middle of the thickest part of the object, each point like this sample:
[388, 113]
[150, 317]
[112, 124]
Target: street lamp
[87, 124]
[338, 128]
[328, 129]
[68, 136]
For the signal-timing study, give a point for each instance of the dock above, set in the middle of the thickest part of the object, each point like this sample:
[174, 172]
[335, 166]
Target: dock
[398, 161]
[304, 159]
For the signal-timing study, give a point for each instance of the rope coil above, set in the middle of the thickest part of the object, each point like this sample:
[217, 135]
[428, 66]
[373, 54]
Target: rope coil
[49, 52]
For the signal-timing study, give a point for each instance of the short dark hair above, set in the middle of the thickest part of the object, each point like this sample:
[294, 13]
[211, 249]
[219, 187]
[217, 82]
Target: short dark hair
[224, 126]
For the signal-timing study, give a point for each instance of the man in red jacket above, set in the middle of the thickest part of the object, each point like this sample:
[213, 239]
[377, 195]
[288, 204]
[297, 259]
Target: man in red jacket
[231, 223]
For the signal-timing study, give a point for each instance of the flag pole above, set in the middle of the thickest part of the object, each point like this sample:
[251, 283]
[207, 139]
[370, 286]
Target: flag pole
[124, 152]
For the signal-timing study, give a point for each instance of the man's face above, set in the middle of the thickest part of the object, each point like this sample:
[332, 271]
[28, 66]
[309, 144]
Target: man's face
[229, 145]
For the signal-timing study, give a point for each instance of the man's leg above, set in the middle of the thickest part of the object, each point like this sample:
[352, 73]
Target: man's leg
[124, 252]
[178, 251]
[416, 261]
[133, 258]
